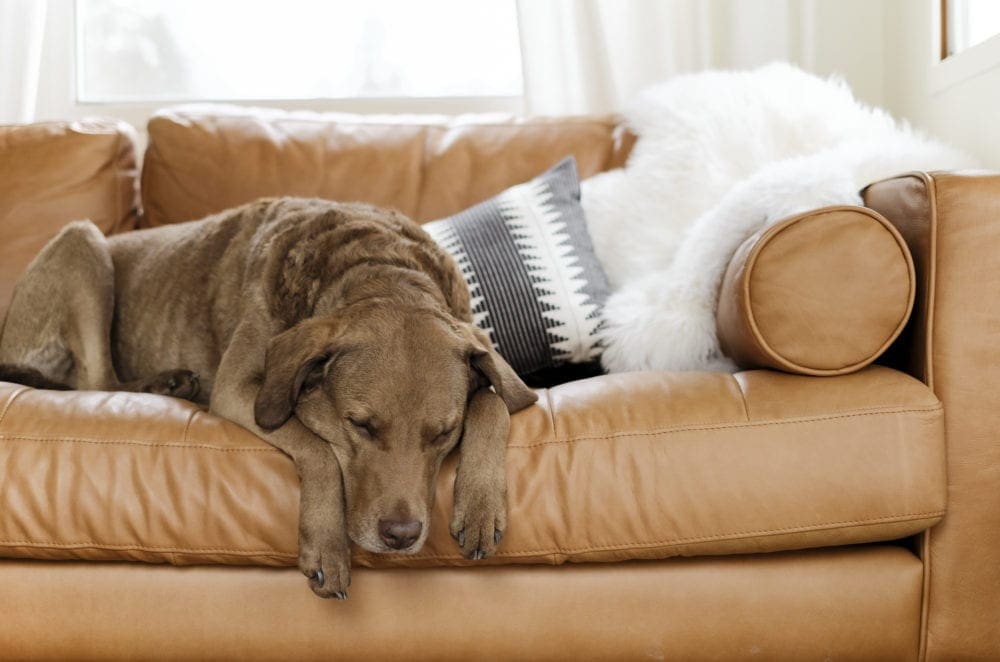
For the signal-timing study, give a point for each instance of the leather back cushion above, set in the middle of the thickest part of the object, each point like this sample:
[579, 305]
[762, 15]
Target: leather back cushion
[202, 159]
[57, 172]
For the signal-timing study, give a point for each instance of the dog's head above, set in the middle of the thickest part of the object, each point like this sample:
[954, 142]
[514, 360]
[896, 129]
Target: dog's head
[388, 389]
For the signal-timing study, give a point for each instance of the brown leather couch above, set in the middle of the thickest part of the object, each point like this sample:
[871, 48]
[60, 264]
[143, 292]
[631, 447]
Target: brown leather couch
[683, 516]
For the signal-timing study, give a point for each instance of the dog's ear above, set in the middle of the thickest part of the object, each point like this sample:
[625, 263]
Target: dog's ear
[293, 358]
[485, 360]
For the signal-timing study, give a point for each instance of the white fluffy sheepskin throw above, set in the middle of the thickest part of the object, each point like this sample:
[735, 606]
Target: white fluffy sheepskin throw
[719, 156]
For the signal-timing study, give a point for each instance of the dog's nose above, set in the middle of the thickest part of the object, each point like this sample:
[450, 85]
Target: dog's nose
[399, 534]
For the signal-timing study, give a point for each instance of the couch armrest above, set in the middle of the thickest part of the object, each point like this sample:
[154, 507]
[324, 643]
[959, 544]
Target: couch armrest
[951, 222]
[821, 293]
[56, 172]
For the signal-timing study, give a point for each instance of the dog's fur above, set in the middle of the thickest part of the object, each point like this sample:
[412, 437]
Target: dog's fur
[339, 333]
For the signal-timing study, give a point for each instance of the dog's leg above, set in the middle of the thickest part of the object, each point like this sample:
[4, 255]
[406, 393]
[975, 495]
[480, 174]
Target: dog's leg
[59, 323]
[183, 384]
[324, 548]
[59, 320]
[480, 514]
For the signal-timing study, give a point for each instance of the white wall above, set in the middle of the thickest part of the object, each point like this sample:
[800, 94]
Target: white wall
[843, 37]
[887, 50]
[937, 98]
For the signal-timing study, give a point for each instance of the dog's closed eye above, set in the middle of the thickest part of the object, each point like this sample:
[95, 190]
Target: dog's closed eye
[363, 427]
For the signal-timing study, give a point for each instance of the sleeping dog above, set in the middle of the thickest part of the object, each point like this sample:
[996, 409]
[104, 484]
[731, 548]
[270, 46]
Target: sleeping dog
[339, 333]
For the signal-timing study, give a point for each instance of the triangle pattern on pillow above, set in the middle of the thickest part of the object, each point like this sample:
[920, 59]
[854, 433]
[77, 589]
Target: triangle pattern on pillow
[537, 288]
[571, 318]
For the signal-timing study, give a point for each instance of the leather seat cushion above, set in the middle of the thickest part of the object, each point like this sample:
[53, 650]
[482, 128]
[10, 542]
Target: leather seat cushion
[628, 466]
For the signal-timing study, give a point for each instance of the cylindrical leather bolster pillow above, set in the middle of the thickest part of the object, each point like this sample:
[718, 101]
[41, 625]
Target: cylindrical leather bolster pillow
[823, 293]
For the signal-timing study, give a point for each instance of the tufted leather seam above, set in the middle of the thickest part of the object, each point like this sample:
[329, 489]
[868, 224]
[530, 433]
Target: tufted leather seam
[93, 544]
[6, 407]
[743, 398]
[552, 416]
[187, 426]
[532, 552]
[726, 426]
[613, 435]
[130, 442]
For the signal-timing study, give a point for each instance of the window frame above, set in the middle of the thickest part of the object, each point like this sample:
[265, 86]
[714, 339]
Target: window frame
[58, 99]
[950, 69]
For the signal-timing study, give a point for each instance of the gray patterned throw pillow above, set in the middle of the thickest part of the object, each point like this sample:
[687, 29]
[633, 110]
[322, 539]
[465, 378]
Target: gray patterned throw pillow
[536, 286]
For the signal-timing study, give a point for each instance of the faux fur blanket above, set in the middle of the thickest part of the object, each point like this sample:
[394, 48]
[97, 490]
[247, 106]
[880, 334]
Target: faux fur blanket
[719, 156]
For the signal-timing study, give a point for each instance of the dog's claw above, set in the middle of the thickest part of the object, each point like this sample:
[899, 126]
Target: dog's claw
[319, 577]
[461, 538]
[340, 595]
[496, 537]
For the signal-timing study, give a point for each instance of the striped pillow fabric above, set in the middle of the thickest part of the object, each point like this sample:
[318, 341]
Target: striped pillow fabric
[537, 287]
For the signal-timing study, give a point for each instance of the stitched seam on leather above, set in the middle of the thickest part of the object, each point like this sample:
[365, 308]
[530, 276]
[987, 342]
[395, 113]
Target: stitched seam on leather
[93, 544]
[615, 435]
[697, 427]
[807, 528]
[531, 552]
[930, 184]
[929, 312]
[6, 408]
[130, 442]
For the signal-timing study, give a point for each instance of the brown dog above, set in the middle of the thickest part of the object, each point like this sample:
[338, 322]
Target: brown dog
[339, 333]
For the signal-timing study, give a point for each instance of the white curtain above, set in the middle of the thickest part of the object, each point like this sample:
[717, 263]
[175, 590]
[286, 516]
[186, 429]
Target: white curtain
[22, 28]
[592, 56]
[579, 56]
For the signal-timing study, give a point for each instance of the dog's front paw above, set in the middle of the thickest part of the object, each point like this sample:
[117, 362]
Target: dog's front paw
[480, 516]
[182, 384]
[326, 561]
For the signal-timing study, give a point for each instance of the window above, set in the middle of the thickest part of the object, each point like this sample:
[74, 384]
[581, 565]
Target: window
[970, 42]
[193, 50]
[966, 23]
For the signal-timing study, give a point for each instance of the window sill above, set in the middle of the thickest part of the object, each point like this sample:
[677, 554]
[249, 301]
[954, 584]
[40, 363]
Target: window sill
[963, 66]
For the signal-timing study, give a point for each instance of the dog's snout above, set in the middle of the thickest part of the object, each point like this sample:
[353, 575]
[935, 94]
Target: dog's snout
[399, 534]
